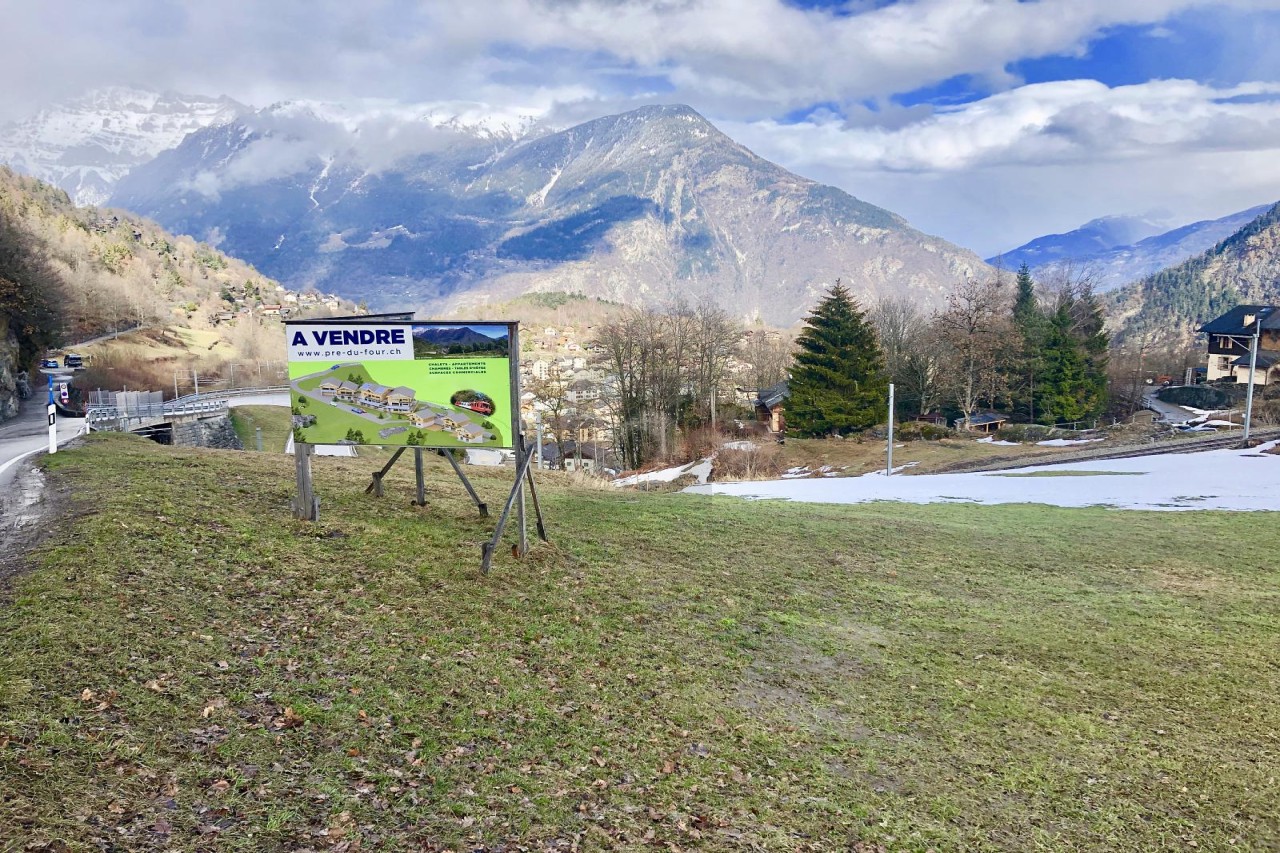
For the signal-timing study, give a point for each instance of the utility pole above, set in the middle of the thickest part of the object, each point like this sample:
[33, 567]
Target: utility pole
[1253, 363]
[195, 379]
[888, 471]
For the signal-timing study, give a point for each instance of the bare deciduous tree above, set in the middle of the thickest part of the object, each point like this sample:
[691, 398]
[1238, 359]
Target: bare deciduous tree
[976, 330]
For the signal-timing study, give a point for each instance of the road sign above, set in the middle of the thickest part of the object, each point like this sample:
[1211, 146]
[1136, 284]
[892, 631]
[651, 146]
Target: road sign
[63, 393]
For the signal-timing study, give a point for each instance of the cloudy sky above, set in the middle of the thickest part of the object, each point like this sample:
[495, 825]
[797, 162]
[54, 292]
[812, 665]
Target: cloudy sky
[987, 122]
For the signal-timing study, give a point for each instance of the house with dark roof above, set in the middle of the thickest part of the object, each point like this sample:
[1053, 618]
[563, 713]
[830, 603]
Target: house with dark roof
[1231, 337]
[770, 406]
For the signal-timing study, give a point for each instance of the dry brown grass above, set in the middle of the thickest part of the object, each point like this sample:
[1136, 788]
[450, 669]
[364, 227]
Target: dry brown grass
[759, 462]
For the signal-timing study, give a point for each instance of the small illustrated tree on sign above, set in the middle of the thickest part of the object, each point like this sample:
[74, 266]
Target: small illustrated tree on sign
[837, 382]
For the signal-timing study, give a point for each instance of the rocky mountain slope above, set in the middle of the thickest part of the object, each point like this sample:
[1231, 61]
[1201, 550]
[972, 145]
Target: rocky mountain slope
[643, 207]
[104, 270]
[1117, 250]
[1170, 304]
[86, 145]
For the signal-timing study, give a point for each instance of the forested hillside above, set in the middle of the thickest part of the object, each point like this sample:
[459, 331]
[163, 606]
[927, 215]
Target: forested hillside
[1172, 303]
[70, 273]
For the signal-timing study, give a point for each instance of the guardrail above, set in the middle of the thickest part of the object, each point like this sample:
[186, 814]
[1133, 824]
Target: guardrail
[108, 414]
[231, 392]
[192, 404]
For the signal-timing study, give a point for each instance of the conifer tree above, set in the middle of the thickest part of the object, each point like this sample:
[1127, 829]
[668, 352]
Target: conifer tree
[1027, 362]
[837, 384]
[1073, 360]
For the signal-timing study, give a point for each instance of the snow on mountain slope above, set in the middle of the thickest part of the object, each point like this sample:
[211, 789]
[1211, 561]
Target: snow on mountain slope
[87, 144]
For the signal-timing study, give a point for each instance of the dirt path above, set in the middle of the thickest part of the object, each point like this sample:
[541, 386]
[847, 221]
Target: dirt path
[29, 508]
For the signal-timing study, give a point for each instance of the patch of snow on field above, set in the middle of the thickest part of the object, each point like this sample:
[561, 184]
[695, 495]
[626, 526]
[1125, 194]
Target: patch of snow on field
[701, 469]
[793, 473]
[901, 467]
[991, 439]
[1211, 479]
[1066, 442]
[739, 445]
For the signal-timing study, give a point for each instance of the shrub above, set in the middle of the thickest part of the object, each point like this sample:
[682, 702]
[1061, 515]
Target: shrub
[763, 462]
[921, 431]
[700, 443]
[1028, 432]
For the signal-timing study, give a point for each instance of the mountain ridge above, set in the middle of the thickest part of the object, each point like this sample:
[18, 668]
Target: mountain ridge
[1173, 303]
[649, 206]
[1102, 250]
[85, 145]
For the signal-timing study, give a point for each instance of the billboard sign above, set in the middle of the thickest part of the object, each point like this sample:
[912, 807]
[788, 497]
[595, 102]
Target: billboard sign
[420, 384]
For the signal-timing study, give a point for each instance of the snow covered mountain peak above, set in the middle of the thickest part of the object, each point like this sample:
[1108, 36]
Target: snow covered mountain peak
[85, 145]
[467, 118]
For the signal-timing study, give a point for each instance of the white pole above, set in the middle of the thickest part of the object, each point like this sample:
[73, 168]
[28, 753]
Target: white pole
[53, 417]
[888, 471]
[537, 421]
[195, 379]
[1253, 363]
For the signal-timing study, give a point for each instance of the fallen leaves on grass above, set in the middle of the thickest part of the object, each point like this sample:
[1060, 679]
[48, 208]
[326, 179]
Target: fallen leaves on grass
[289, 719]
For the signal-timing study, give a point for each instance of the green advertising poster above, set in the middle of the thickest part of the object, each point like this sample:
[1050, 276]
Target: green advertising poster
[402, 383]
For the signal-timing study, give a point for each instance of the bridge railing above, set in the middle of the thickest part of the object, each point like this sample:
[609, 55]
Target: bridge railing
[230, 392]
[210, 402]
[98, 416]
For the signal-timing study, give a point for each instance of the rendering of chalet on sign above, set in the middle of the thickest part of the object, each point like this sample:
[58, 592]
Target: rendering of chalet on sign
[357, 381]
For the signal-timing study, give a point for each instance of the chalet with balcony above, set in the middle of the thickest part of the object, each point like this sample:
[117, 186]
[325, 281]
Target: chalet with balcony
[373, 394]
[1231, 337]
[400, 399]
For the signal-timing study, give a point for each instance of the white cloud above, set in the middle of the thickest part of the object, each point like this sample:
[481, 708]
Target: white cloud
[1047, 157]
[1061, 122]
[727, 57]
[741, 62]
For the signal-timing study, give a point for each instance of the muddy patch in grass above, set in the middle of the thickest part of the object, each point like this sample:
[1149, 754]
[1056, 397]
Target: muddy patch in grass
[795, 681]
[29, 509]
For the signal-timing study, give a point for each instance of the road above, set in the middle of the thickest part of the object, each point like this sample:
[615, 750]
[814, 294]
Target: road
[28, 433]
[1167, 411]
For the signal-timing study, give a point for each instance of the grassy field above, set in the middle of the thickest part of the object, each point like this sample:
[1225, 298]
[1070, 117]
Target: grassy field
[853, 456]
[273, 420]
[185, 667]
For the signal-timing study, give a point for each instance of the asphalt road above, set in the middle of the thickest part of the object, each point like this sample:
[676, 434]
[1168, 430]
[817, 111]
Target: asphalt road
[28, 433]
[1167, 411]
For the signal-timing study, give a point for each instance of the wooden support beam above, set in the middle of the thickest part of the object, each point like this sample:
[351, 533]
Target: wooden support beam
[376, 485]
[306, 505]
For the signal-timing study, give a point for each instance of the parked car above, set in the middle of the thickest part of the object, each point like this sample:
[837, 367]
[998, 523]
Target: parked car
[49, 363]
[73, 361]
[357, 411]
